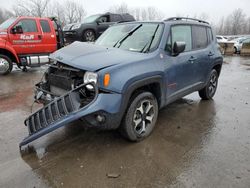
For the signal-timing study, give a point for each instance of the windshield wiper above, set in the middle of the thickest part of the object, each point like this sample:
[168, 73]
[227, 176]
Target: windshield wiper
[150, 42]
[126, 36]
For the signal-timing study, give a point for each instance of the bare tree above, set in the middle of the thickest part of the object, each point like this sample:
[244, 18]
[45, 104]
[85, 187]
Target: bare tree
[137, 13]
[121, 9]
[74, 11]
[247, 31]
[237, 21]
[203, 16]
[154, 14]
[144, 14]
[147, 13]
[220, 27]
[31, 7]
[57, 10]
[4, 15]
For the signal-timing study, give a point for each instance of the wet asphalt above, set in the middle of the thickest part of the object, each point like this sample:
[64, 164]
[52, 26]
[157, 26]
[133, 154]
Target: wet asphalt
[195, 143]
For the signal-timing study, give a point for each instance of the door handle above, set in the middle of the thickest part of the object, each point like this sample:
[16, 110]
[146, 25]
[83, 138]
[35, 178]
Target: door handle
[192, 59]
[210, 54]
[40, 37]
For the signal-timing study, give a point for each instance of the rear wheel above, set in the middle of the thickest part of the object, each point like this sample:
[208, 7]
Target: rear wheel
[208, 92]
[89, 36]
[235, 50]
[140, 118]
[6, 65]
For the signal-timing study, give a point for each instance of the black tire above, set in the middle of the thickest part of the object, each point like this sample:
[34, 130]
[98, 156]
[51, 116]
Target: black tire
[129, 129]
[6, 65]
[88, 36]
[209, 91]
[235, 50]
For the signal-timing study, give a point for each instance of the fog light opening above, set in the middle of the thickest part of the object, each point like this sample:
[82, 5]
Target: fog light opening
[100, 118]
[90, 87]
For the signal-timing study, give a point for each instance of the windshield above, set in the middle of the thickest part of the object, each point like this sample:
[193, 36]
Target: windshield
[138, 37]
[91, 19]
[7, 23]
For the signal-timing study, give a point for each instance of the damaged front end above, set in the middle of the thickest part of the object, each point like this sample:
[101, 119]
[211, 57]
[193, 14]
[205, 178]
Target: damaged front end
[63, 94]
[59, 112]
[68, 95]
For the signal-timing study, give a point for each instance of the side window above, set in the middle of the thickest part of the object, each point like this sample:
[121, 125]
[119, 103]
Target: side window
[103, 19]
[28, 25]
[199, 37]
[116, 18]
[45, 26]
[209, 35]
[246, 41]
[181, 33]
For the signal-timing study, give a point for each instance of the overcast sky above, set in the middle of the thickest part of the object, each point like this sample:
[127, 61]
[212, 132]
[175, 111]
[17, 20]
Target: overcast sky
[214, 8]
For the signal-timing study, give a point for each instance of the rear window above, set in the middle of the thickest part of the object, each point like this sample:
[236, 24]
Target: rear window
[45, 26]
[199, 34]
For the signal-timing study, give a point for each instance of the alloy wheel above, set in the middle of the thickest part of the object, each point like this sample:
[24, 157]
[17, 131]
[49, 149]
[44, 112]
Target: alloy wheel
[90, 36]
[212, 85]
[4, 65]
[143, 117]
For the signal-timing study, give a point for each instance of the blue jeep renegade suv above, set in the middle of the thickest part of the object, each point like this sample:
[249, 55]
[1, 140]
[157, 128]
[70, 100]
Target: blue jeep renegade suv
[133, 70]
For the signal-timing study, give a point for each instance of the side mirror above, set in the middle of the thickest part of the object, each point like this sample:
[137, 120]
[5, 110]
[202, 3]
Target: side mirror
[13, 30]
[179, 47]
[98, 22]
[17, 30]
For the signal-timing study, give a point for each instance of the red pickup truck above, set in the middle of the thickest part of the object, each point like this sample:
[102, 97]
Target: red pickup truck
[28, 41]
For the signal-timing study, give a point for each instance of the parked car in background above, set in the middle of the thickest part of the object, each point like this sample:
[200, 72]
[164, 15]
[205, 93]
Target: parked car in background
[28, 41]
[93, 26]
[239, 42]
[221, 38]
[133, 70]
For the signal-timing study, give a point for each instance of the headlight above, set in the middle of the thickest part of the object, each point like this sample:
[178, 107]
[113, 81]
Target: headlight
[90, 77]
[76, 26]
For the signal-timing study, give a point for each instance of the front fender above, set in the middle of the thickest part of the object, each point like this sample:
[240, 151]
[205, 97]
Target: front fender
[130, 87]
[5, 45]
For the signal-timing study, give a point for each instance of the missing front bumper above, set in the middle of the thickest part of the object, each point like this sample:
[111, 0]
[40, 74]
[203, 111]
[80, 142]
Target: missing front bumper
[59, 112]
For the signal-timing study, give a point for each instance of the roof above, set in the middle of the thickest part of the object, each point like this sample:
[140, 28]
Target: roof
[33, 17]
[184, 20]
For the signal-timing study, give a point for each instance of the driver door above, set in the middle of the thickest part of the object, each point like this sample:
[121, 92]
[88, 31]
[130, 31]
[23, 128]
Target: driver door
[103, 24]
[29, 39]
[179, 69]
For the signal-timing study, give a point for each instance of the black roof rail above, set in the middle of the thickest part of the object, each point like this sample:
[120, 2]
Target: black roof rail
[185, 18]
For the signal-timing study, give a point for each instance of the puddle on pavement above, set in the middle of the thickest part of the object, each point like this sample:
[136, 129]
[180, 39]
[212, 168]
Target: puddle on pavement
[193, 141]
[14, 100]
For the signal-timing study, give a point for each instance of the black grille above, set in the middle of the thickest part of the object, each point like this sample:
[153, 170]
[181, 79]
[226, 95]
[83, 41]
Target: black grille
[59, 108]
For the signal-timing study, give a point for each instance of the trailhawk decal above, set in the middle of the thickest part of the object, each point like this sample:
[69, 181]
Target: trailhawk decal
[26, 39]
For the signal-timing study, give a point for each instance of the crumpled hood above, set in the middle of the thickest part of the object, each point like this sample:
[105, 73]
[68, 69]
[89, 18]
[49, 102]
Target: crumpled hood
[91, 57]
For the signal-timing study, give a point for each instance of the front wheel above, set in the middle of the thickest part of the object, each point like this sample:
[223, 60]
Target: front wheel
[140, 117]
[6, 65]
[208, 92]
[89, 36]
